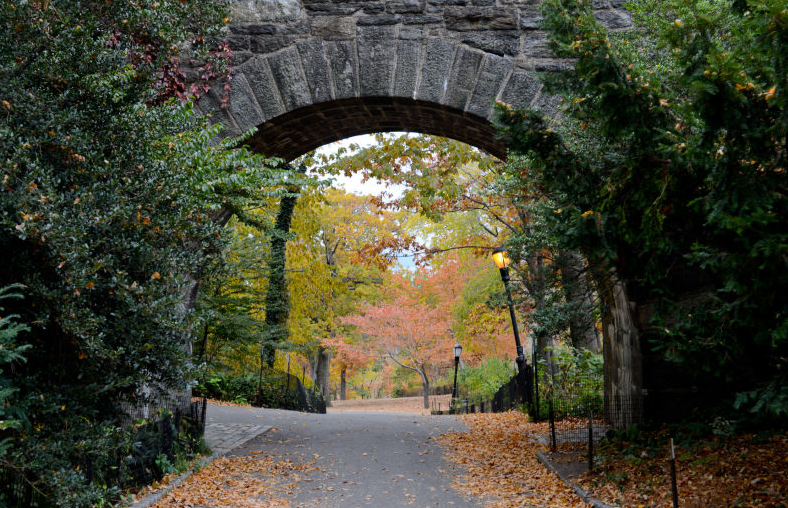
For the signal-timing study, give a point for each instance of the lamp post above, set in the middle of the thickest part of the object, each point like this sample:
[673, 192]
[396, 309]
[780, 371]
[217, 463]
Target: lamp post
[502, 262]
[457, 353]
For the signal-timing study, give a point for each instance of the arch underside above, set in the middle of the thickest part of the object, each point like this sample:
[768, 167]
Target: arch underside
[304, 129]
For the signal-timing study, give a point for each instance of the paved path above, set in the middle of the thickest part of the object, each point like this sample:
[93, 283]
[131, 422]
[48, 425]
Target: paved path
[381, 460]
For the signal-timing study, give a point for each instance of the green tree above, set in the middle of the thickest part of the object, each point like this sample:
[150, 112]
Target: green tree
[108, 198]
[668, 168]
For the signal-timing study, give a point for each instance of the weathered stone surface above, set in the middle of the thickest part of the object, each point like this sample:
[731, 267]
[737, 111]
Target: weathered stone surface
[422, 65]
[342, 59]
[376, 60]
[409, 33]
[211, 105]
[313, 60]
[407, 70]
[507, 43]
[520, 89]
[434, 73]
[261, 81]
[263, 45]
[290, 79]
[493, 75]
[480, 18]
[333, 27]
[242, 11]
[462, 78]
[377, 20]
[536, 44]
[242, 104]
[614, 19]
[404, 6]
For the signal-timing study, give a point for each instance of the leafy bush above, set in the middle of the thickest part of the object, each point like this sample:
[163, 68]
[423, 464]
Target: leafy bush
[480, 382]
[242, 389]
[576, 384]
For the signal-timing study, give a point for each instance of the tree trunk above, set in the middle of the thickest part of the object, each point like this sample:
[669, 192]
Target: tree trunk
[577, 292]
[623, 368]
[320, 363]
[277, 302]
[343, 384]
[425, 383]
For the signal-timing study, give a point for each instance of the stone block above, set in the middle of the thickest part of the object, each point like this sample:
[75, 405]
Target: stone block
[536, 44]
[435, 71]
[211, 105]
[548, 104]
[411, 33]
[614, 19]
[462, 77]
[333, 27]
[376, 51]
[404, 6]
[242, 105]
[333, 8]
[520, 89]
[240, 57]
[342, 60]
[253, 29]
[530, 19]
[318, 77]
[290, 79]
[263, 44]
[497, 43]
[423, 19]
[493, 75]
[407, 71]
[263, 10]
[238, 42]
[480, 18]
[378, 20]
[261, 81]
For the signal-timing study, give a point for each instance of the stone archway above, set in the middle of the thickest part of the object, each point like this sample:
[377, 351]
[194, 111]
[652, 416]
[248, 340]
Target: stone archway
[308, 72]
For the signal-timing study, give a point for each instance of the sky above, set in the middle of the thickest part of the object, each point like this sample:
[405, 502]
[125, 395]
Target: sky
[353, 184]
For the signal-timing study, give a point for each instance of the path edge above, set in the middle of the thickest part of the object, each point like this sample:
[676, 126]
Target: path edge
[154, 497]
[583, 494]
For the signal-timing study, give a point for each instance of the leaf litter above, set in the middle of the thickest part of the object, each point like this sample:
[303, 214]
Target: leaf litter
[253, 481]
[498, 455]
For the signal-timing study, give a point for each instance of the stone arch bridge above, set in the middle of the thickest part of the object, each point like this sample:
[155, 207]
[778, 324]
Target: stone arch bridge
[309, 72]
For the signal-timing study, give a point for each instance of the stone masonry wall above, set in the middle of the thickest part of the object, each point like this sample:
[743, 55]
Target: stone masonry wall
[440, 64]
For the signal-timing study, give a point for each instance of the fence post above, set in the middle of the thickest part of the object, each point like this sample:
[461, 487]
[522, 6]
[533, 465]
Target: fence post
[674, 490]
[166, 438]
[590, 440]
[551, 419]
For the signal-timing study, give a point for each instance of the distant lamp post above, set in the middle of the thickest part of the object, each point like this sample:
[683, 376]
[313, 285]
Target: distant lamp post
[457, 353]
[502, 262]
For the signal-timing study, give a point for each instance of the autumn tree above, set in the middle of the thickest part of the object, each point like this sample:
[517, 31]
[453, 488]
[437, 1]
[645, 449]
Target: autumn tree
[334, 266]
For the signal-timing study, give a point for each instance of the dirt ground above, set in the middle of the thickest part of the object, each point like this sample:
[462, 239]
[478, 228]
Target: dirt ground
[410, 405]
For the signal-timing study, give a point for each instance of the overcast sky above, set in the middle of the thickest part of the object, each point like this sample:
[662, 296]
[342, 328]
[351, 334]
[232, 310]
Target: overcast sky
[353, 183]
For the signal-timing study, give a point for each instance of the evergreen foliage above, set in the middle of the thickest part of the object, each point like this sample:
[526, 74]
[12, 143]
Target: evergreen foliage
[108, 196]
[669, 167]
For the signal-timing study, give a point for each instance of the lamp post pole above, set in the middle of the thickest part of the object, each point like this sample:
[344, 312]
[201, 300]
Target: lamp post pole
[502, 262]
[457, 353]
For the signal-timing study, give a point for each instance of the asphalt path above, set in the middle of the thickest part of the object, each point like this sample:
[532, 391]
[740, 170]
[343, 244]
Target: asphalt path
[382, 460]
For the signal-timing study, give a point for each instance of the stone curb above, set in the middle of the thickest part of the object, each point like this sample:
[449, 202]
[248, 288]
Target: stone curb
[585, 496]
[154, 497]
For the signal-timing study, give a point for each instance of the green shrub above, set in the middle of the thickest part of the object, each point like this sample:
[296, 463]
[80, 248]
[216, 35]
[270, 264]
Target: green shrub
[482, 381]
